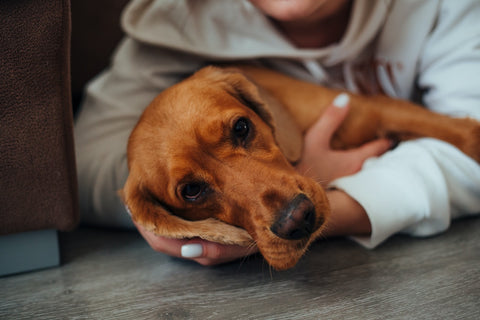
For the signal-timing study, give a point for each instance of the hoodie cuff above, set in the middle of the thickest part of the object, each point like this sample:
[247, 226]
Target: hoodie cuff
[404, 190]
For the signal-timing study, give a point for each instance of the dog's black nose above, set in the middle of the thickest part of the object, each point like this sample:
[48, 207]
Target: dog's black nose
[295, 221]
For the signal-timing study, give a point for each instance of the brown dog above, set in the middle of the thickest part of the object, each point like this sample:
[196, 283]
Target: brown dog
[211, 157]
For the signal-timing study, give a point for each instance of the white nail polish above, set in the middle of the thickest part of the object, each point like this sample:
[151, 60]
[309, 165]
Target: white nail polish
[193, 250]
[341, 101]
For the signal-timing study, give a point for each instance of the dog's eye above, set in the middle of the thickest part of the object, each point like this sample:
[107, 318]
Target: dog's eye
[241, 128]
[193, 191]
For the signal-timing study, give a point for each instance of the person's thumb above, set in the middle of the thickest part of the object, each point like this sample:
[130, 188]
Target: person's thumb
[322, 131]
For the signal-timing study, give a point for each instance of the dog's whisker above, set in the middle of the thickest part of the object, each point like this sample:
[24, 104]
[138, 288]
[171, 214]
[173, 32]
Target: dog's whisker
[242, 261]
[328, 226]
[250, 249]
[322, 182]
[307, 172]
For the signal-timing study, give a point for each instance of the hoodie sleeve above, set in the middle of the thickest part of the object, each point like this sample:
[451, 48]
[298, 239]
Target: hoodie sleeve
[422, 185]
[415, 189]
[112, 105]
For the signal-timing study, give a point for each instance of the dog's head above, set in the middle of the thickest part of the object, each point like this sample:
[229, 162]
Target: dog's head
[205, 161]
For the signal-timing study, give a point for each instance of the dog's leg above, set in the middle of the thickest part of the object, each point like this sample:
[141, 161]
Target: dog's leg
[381, 116]
[370, 117]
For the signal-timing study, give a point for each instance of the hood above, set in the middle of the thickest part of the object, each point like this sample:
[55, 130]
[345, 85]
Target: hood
[235, 29]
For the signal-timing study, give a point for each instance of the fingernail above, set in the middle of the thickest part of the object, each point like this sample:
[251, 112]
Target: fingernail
[128, 210]
[193, 250]
[341, 101]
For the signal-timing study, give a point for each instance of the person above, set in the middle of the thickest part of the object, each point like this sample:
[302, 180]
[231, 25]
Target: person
[426, 51]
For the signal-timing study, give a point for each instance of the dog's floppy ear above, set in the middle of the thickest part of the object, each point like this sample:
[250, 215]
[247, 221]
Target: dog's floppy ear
[287, 133]
[156, 218]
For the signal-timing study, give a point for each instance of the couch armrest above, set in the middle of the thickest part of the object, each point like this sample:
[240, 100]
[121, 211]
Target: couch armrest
[38, 187]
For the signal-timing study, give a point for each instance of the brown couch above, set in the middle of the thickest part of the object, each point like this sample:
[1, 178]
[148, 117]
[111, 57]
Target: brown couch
[37, 168]
[37, 164]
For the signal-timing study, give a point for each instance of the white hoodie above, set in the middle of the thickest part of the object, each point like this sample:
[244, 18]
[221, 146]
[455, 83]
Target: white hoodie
[425, 49]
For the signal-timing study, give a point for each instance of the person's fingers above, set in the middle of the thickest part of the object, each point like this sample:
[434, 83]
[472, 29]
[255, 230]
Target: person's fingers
[210, 253]
[373, 149]
[168, 246]
[356, 157]
[330, 120]
[204, 252]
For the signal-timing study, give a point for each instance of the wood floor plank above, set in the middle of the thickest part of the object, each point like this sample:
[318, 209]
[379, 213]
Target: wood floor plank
[107, 274]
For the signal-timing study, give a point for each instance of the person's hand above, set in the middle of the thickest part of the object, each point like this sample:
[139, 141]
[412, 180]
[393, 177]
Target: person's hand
[324, 164]
[203, 252]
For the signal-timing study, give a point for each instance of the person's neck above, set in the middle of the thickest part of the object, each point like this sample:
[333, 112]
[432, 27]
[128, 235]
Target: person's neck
[316, 33]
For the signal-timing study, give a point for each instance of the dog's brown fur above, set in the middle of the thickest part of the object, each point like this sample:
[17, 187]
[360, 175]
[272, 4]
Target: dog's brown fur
[185, 137]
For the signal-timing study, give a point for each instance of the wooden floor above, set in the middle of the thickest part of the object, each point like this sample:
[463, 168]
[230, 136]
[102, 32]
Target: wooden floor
[114, 275]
